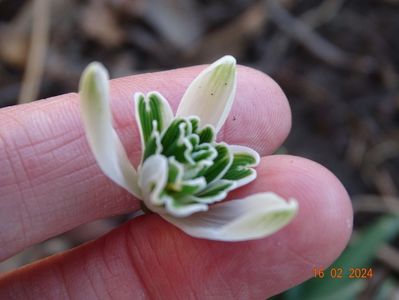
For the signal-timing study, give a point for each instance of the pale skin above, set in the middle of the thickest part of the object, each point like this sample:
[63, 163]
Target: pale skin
[50, 183]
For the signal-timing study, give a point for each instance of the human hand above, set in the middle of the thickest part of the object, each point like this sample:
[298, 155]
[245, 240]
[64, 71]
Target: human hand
[50, 183]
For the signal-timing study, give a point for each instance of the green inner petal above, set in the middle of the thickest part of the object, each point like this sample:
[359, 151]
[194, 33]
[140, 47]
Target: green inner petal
[172, 136]
[207, 134]
[186, 188]
[215, 188]
[220, 165]
[153, 145]
[240, 168]
[175, 172]
[150, 109]
[194, 123]
[145, 119]
[200, 171]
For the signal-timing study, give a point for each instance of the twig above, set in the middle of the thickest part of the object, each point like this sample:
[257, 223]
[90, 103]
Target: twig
[376, 203]
[305, 35]
[373, 160]
[384, 182]
[322, 14]
[37, 53]
[232, 36]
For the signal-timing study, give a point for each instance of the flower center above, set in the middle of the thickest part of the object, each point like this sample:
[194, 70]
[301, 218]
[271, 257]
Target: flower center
[196, 170]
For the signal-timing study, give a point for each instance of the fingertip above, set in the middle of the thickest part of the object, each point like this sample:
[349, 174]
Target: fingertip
[266, 121]
[323, 225]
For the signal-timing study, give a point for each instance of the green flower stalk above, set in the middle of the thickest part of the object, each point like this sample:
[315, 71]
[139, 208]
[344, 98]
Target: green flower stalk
[184, 172]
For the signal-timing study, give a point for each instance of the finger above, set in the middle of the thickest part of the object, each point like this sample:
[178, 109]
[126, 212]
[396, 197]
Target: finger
[49, 181]
[148, 257]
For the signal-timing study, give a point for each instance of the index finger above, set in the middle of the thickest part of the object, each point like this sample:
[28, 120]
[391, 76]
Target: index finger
[49, 181]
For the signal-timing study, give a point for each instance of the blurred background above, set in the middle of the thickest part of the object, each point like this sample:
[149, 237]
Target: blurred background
[337, 61]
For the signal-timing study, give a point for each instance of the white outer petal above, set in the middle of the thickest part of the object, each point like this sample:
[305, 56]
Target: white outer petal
[103, 140]
[153, 177]
[254, 217]
[210, 96]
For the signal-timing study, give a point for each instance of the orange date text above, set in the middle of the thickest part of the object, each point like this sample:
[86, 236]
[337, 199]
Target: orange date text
[340, 273]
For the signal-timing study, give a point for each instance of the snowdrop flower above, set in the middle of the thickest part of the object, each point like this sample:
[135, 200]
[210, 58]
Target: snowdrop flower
[184, 173]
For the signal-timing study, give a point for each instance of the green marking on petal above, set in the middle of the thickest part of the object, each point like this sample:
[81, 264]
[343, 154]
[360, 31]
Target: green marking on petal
[144, 118]
[204, 152]
[175, 173]
[237, 174]
[194, 140]
[171, 136]
[220, 165]
[194, 123]
[241, 170]
[239, 166]
[214, 189]
[153, 145]
[196, 170]
[160, 110]
[187, 187]
[207, 134]
[243, 159]
[153, 114]
[221, 77]
[178, 208]
[178, 141]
